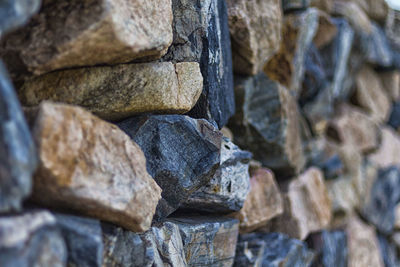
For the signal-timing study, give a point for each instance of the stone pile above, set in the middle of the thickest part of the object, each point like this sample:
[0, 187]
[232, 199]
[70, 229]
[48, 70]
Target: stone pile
[199, 133]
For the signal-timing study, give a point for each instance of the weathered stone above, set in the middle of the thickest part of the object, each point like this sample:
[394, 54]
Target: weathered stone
[324, 5]
[182, 154]
[327, 30]
[86, 162]
[263, 202]
[31, 239]
[228, 188]
[90, 33]
[208, 241]
[354, 14]
[388, 252]
[267, 124]
[289, 5]
[271, 250]
[83, 238]
[255, 28]
[388, 153]
[394, 119]
[375, 9]
[120, 91]
[17, 151]
[391, 83]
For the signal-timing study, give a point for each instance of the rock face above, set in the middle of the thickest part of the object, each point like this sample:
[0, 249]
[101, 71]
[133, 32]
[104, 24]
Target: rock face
[228, 188]
[17, 151]
[255, 28]
[182, 154]
[331, 247]
[271, 249]
[267, 124]
[96, 32]
[120, 91]
[388, 154]
[208, 241]
[263, 202]
[109, 165]
[31, 239]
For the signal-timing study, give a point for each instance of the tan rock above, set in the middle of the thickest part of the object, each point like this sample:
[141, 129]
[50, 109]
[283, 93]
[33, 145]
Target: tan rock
[324, 5]
[375, 9]
[255, 28]
[263, 202]
[120, 91]
[391, 83]
[354, 14]
[92, 167]
[227, 133]
[388, 153]
[75, 33]
[327, 30]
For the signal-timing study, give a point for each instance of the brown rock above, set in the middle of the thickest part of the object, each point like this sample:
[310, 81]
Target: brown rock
[263, 202]
[120, 91]
[75, 33]
[327, 30]
[92, 167]
[255, 28]
[388, 153]
[391, 83]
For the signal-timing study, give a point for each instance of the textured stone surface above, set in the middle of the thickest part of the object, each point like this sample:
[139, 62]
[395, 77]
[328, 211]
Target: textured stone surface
[31, 239]
[255, 28]
[388, 252]
[327, 30]
[182, 154]
[17, 151]
[83, 238]
[331, 248]
[228, 188]
[388, 154]
[208, 241]
[86, 162]
[267, 124]
[375, 9]
[120, 91]
[324, 5]
[263, 202]
[391, 83]
[71, 33]
[271, 250]
[289, 5]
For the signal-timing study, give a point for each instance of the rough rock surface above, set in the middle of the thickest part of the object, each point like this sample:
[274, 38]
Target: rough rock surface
[182, 154]
[388, 154]
[228, 188]
[388, 252]
[394, 119]
[331, 248]
[375, 9]
[86, 162]
[120, 91]
[17, 151]
[267, 124]
[31, 239]
[71, 33]
[255, 28]
[391, 83]
[289, 5]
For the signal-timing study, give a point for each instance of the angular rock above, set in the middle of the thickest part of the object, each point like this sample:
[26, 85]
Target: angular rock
[83, 238]
[31, 239]
[120, 91]
[289, 5]
[391, 83]
[272, 250]
[394, 119]
[228, 188]
[208, 241]
[263, 202]
[388, 153]
[86, 162]
[90, 33]
[255, 28]
[18, 157]
[267, 124]
[388, 252]
[182, 154]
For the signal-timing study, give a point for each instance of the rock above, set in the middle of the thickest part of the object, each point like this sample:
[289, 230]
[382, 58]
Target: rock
[289, 5]
[388, 252]
[229, 186]
[271, 249]
[375, 9]
[18, 157]
[327, 30]
[109, 164]
[83, 238]
[263, 202]
[208, 241]
[354, 14]
[120, 91]
[307, 206]
[226, 132]
[391, 83]
[91, 33]
[362, 244]
[182, 154]
[31, 239]
[160, 246]
[324, 5]
[394, 119]
[255, 28]
[392, 29]
[388, 154]
[267, 124]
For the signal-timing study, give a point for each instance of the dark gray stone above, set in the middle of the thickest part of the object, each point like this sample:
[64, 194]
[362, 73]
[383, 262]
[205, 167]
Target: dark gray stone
[330, 247]
[83, 238]
[389, 252]
[289, 5]
[18, 157]
[228, 188]
[182, 154]
[394, 119]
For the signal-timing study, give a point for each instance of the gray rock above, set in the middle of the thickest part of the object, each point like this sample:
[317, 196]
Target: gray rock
[17, 152]
[331, 248]
[289, 5]
[83, 238]
[228, 188]
[182, 154]
[394, 119]
[31, 239]
[388, 251]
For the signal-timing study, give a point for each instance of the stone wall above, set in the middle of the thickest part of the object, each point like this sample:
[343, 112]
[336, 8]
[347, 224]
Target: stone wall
[199, 133]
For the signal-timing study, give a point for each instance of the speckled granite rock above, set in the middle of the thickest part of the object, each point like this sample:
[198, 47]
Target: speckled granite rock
[388, 154]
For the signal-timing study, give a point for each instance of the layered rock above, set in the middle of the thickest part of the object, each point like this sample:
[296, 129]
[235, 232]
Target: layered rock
[120, 91]
[331, 248]
[85, 162]
[388, 154]
[182, 154]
